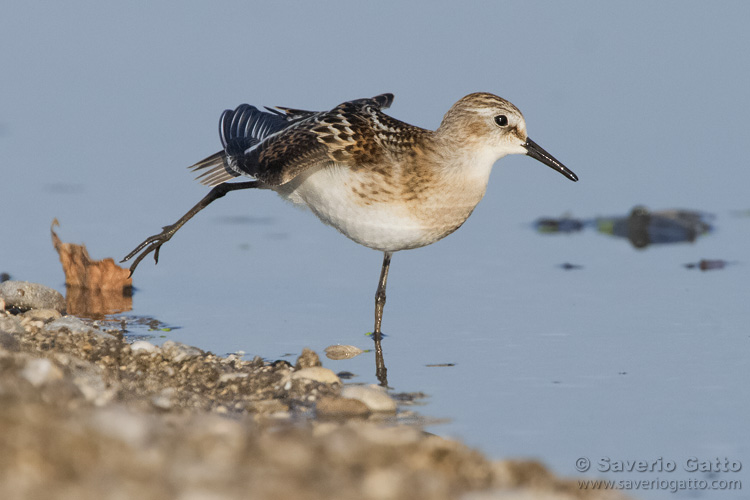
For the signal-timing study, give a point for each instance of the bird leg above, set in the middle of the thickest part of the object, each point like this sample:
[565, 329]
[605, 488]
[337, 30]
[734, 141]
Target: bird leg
[380, 370]
[154, 243]
[380, 294]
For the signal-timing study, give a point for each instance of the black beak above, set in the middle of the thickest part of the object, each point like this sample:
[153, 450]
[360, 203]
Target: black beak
[535, 151]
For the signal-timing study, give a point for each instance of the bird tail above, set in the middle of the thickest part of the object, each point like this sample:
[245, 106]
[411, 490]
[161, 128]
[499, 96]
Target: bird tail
[241, 131]
[216, 169]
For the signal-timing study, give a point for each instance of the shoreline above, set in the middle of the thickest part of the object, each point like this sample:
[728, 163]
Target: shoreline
[85, 414]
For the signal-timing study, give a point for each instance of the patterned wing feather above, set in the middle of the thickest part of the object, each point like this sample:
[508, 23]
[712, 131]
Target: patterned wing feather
[278, 145]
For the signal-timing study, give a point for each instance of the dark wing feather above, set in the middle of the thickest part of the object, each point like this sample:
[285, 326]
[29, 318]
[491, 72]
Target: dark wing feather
[239, 130]
[276, 146]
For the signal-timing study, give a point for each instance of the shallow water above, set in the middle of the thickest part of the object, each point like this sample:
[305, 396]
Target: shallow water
[630, 356]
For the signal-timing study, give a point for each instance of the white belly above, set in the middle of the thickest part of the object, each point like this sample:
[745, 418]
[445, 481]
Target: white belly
[382, 226]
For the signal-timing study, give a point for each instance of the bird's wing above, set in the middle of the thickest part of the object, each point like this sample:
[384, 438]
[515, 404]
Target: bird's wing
[274, 147]
[239, 130]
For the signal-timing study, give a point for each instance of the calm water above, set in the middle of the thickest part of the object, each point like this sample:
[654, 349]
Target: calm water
[632, 356]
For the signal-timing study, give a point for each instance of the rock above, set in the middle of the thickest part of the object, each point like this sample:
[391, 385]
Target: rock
[74, 326]
[25, 295]
[337, 352]
[375, 397]
[143, 346]
[307, 359]
[341, 407]
[180, 352]
[43, 315]
[318, 374]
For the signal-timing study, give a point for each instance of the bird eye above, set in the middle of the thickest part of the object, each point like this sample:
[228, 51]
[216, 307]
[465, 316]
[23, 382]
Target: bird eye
[501, 120]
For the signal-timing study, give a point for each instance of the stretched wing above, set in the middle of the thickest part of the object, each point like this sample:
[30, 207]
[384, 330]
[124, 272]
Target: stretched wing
[276, 146]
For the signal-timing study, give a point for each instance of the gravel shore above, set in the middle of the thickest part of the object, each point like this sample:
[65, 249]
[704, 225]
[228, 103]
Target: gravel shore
[84, 414]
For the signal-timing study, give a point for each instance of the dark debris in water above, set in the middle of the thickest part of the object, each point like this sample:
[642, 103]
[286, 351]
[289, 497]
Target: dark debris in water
[563, 225]
[4, 277]
[567, 266]
[132, 327]
[409, 397]
[708, 264]
[641, 227]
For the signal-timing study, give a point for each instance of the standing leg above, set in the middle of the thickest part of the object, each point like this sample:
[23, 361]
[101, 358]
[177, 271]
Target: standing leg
[380, 294]
[380, 370]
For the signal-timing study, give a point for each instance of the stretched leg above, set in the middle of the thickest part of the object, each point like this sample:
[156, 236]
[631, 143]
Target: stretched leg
[154, 243]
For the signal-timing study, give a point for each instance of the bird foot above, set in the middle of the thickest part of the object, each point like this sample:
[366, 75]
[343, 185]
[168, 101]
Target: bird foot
[150, 244]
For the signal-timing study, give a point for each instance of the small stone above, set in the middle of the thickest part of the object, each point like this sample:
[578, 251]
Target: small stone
[163, 400]
[229, 377]
[9, 342]
[89, 381]
[338, 352]
[43, 315]
[375, 397]
[180, 352]
[268, 407]
[120, 423]
[11, 324]
[40, 371]
[391, 436]
[29, 323]
[74, 326]
[307, 359]
[25, 295]
[318, 374]
[341, 407]
[143, 346]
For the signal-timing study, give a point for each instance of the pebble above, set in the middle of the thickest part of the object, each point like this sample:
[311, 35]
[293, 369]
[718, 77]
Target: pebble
[180, 352]
[91, 384]
[74, 326]
[163, 400]
[120, 423]
[40, 371]
[338, 352]
[143, 346]
[230, 377]
[25, 295]
[341, 407]
[318, 374]
[375, 397]
[11, 324]
[268, 407]
[43, 315]
[308, 359]
[9, 342]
